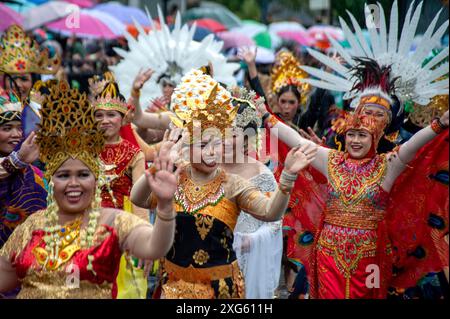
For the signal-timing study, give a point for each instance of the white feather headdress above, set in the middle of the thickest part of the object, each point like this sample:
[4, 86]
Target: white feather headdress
[414, 82]
[171, 53]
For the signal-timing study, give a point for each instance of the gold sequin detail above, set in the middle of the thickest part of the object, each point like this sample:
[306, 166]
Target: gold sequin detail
[204, 224]
[224, 290]
[181, 289]
[201, 257]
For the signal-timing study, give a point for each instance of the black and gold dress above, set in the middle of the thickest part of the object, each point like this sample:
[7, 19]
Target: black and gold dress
[202, 263]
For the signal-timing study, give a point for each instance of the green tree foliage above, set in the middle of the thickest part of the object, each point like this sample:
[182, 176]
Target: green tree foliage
[245, 9]
[356, 7]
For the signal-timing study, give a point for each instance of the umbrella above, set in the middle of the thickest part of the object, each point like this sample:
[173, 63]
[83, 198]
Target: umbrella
[218, 13]
[37, 2]
[252, 28]
[50, 11]
[9, 17]
[88, 27]
[235, 40]
[301, 38]
[124, 13]
[20, 6]
[81, 3]
[201, 33]
[263, 39]
[264, 56]
[319, 32]
[290, 26]
[211, 25]
[116, 26]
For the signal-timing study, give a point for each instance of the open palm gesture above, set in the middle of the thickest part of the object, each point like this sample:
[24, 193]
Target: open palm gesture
[247, 54]
[299, 158]
[163, 182]
[141, 78]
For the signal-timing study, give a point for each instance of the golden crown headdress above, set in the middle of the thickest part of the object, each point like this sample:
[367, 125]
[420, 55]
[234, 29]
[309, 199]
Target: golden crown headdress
[68, 130]
[200, 102]
[106, 95]
[286, 72]
[21, 54]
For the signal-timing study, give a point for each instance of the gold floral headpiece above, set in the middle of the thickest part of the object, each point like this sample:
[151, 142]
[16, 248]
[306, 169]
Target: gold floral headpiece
[105, 93]
[200, 102]
[21, 54]
[68, 130]
[286, 72]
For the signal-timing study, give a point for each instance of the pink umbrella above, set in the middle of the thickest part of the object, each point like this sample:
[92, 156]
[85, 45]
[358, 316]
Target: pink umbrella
[81, 3]
[9, 17]
[319, 32]
[235, 40]
[86, 27]
[300, 37]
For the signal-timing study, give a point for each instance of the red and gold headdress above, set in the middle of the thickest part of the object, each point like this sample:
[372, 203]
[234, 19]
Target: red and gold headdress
[287, 71]
[360, 121]
[68, 130]
[106, 95]
[201, 102]
[21, 54]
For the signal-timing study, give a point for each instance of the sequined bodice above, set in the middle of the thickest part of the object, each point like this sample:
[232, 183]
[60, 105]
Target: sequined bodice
[355, 196]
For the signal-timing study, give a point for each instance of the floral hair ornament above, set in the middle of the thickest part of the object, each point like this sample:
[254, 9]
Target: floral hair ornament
[200, 103]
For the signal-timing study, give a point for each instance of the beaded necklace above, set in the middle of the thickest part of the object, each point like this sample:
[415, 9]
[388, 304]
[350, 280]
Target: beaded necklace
[193, 196]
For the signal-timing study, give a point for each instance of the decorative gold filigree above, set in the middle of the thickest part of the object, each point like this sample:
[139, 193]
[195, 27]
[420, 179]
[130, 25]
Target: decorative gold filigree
[204, 224]
[200, 257]
[21, 54]
[68, 129]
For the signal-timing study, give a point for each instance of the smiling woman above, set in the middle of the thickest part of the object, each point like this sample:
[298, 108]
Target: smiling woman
[74, 230]
[202, 262]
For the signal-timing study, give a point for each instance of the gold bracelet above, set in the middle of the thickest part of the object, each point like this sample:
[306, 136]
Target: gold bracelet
[165, 219]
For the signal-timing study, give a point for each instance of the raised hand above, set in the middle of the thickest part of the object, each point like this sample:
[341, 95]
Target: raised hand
[155, 105]
[312, 136]
[247, 54]
[29, 150]
[141, 78]
[163, 182]
[299, 158]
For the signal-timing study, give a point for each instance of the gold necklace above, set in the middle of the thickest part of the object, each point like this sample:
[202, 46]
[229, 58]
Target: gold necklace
[193, 196]
[65, 243]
